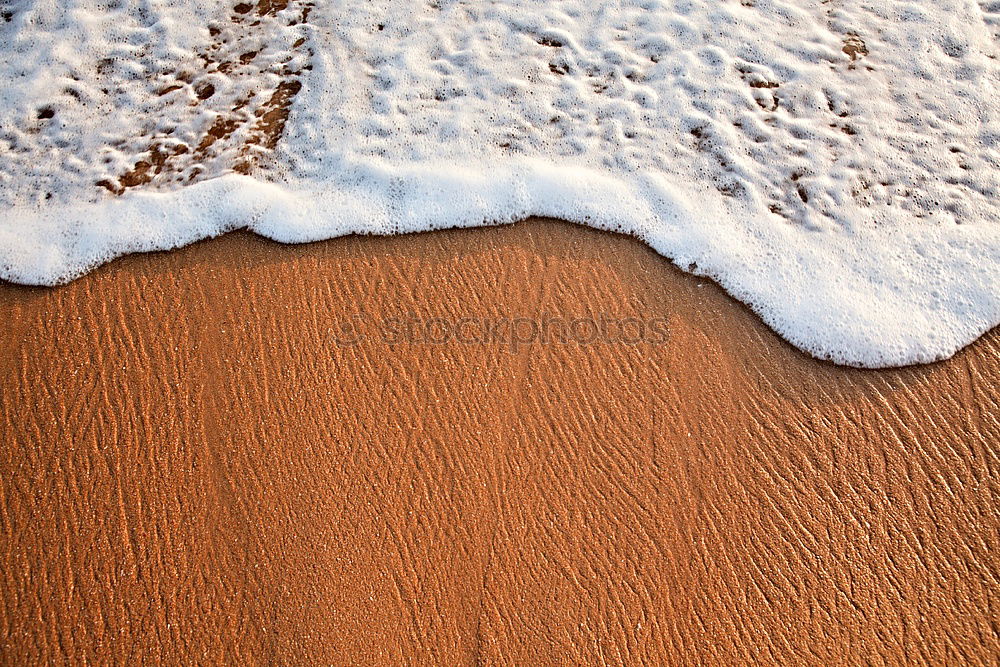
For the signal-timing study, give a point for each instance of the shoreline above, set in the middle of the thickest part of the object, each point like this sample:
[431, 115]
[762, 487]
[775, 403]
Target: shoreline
[199, 469]
[79, 273]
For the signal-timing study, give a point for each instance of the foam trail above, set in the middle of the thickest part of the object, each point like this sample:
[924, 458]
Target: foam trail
[804, 155]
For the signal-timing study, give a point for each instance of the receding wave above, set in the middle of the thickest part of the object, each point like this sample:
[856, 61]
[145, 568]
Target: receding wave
[833, 165]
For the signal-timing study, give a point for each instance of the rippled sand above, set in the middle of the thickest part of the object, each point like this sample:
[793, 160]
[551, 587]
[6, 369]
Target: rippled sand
[198, 466]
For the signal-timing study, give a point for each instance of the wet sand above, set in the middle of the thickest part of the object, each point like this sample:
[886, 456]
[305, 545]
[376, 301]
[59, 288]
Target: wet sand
[203, 462]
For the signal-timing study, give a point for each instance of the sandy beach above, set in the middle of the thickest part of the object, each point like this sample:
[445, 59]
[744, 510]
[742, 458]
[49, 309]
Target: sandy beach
[535, 444]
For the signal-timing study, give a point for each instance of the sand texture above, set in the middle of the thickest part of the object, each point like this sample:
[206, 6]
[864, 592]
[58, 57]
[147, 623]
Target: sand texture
[202, 463]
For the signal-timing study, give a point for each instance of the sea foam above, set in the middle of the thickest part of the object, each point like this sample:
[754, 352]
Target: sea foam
[833, 165]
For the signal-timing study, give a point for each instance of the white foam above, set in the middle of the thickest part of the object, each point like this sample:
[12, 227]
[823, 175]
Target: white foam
[849, 202]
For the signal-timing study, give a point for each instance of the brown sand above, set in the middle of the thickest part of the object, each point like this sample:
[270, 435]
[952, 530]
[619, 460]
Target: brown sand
[194, 470]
